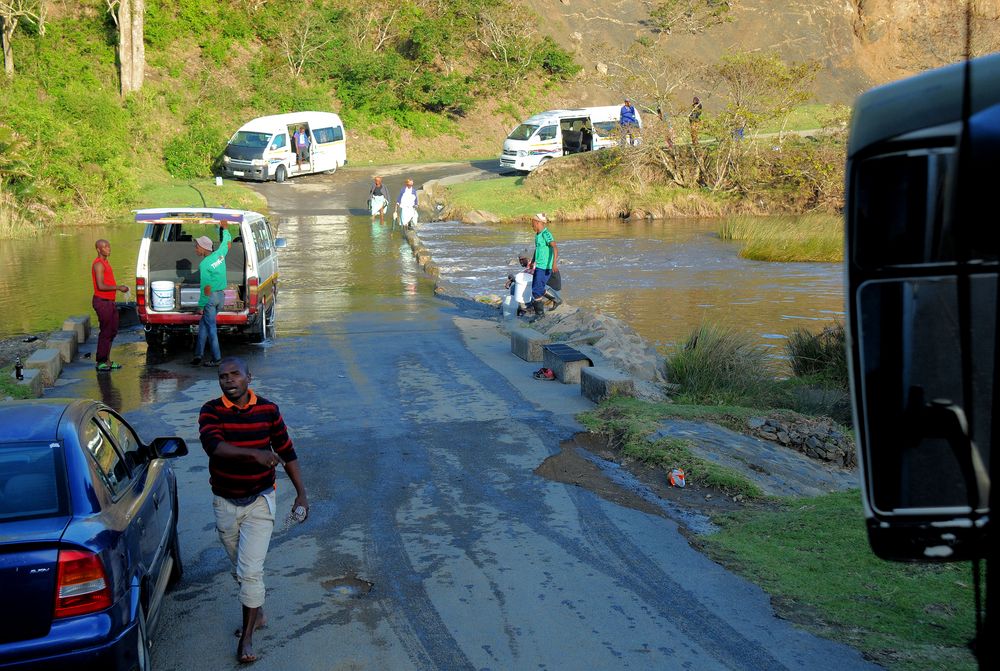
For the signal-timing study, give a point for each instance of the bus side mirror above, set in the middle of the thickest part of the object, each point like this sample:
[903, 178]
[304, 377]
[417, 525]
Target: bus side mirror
[923, 284]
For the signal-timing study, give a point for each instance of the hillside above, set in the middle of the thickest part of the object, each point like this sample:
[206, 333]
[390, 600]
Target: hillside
[413, 79]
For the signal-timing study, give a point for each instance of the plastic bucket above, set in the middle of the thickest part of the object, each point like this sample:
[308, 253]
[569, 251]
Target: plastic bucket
[163, 295]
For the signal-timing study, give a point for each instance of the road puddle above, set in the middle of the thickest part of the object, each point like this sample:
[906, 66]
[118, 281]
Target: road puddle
[347, 588]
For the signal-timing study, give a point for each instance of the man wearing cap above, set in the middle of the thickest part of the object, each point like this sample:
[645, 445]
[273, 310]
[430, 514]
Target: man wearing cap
[212, 271]
[544, 261]
[628, 120]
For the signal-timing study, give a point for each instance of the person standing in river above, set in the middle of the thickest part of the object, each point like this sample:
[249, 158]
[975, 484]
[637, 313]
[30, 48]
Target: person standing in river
[245, 438]
[406, 205]
[212, 272]
[378, 200]
[105, 291]
[544, 261]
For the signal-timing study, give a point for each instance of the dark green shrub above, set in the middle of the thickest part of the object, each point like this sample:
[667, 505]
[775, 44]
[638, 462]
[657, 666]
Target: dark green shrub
[556, 61]
[721, 366]
[822, 356]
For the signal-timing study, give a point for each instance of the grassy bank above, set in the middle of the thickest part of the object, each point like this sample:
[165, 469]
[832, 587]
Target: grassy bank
[167, 192]
[9, 386]
[806, 238]
[812, 557]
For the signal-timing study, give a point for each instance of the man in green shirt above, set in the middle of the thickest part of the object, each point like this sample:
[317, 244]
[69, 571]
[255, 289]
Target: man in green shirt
[212, 271]
[544, 262]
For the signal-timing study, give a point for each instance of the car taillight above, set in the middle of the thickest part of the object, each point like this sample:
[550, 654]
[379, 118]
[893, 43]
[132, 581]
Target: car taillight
[81, 584]
[252, 293]
[140, 293]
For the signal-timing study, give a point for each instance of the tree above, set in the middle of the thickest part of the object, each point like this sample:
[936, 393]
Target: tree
[506, 33]
[13, 12]
[693, 16]
[647, 73]
[129, 17]
[302, 38]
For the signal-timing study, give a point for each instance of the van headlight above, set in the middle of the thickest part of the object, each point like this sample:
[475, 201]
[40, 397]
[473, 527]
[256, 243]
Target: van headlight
[257, 162]
[225, 159]
[522, 153]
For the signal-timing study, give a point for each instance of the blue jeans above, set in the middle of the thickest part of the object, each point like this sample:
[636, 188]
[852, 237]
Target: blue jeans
[538, 282]
[206, 327]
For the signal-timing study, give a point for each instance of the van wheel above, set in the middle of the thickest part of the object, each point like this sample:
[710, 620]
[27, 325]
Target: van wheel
[264, 325]
[280, 174]
[334, 169]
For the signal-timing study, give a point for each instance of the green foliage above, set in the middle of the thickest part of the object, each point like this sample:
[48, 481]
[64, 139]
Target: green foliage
[721, 366]
[761, 87]
[821, 356]
[194, 152]
[692, 16]
[817, 238]
[628, 422]
[9, 386]
[812, 557]
[556, 61]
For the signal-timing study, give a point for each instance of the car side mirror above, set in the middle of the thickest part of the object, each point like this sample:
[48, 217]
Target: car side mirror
[168, 447]
[280, 243]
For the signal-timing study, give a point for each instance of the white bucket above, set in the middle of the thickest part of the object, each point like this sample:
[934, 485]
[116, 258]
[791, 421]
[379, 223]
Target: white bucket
[163, 295]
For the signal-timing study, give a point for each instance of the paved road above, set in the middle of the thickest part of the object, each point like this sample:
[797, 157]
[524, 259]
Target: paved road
[418, 434]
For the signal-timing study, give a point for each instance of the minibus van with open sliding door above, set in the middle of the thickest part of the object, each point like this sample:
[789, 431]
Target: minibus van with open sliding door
[264, 149]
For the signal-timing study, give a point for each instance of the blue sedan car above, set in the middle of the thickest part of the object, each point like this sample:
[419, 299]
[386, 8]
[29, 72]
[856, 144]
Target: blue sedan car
[88, 536]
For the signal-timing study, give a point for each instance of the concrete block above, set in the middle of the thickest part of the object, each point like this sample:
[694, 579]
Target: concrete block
[598, 383]
[565, 362]
[65, 342]
[32, 380]
[527, 343]
[48, 362]
[79, 324]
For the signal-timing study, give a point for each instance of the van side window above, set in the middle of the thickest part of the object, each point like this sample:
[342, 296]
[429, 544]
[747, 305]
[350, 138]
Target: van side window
[261, 239]
[547, 133]
[328, 134]
[279, 142]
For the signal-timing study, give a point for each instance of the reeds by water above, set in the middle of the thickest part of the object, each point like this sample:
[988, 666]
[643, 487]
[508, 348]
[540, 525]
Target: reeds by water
[817, 238]
[13, 222]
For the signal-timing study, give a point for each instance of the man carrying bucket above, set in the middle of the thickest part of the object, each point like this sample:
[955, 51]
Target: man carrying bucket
[105, 291]
[212, 271]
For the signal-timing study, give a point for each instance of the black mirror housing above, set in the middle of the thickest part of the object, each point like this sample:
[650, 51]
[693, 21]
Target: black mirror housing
[168, 447]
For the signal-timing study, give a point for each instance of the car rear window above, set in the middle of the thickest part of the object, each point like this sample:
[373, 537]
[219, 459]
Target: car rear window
[31, 482]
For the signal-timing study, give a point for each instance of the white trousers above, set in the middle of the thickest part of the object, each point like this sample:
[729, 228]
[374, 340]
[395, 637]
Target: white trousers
[245, 532]
[407, 215]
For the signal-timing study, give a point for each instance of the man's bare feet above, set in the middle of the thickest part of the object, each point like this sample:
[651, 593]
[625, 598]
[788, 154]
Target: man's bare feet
[244, 652]
[252, 621]
[261, 623]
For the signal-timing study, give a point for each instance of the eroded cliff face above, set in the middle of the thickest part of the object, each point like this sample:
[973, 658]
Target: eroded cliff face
[859, 43]
[896, 38]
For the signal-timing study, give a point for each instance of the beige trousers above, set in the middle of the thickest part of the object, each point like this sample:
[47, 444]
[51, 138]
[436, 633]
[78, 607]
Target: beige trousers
[245, 532]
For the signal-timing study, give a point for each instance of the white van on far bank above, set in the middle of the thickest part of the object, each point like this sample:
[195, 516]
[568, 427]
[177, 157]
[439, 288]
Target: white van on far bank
[264, 149]
[559, 133]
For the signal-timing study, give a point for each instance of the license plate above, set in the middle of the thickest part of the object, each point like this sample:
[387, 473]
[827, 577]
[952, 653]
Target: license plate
[238, 173]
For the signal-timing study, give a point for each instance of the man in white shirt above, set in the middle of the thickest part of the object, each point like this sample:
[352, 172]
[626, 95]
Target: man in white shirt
[406, 205]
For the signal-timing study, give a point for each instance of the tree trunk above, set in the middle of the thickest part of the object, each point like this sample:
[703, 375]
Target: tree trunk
[7, 27]
[131, 48]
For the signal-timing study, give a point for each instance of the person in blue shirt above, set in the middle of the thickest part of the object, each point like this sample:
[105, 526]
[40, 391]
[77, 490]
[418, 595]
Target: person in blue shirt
[301, 146]
[628, 121]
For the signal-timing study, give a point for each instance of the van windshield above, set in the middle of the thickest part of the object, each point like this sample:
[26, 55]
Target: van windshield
[522, 132]
[244, 138]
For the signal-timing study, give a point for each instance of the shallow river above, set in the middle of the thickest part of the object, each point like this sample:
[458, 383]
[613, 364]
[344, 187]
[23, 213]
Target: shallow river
[663, 277]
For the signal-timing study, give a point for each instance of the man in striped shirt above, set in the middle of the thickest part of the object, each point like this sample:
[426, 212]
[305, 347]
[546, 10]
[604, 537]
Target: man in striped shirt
[245, 438]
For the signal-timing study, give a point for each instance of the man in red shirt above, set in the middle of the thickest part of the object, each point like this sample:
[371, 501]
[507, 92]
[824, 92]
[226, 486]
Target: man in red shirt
[245, 438]
[105, 290]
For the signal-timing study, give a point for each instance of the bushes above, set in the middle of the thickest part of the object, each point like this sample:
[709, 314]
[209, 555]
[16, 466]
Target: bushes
[721, 366]
[821, 356]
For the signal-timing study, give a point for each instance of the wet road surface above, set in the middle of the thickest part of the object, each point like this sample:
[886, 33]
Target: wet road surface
[431, 544]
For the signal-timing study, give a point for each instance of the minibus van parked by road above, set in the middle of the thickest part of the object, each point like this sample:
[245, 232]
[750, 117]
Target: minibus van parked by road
[558, 133]
[264, 149]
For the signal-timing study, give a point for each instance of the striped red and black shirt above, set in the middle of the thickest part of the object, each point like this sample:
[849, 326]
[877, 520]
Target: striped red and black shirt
[258, 426]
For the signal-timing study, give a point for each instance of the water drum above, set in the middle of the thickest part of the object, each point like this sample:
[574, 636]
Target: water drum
[163, 295]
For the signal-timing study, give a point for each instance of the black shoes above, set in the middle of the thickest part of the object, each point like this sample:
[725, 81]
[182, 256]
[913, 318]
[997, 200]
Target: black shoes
[212, 363]
[196, 361]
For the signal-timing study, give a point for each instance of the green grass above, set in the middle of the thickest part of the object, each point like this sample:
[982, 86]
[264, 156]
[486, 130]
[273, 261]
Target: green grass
[9, 386]
[818, 238]
[628, 422]
[166, 192]
[803, 117]
[813, 557]
[504, 197]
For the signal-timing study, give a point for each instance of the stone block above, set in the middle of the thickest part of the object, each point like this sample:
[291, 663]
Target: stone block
[48, 362]
[598, 383]
[65, 342]
[32, 380]
[79, 324]
[527, 343]
[565, 362]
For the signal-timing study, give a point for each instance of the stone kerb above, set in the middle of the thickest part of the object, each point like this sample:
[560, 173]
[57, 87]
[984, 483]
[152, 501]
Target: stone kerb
[565, 362]
[32, 380]
[598, 383]
[79, 324]
[527, 343]
[65, 342]
[48, 362]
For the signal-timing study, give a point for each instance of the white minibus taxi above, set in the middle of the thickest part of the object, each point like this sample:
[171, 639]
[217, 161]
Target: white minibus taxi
[558, 133]
[264, 149]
